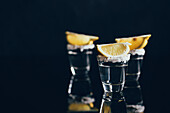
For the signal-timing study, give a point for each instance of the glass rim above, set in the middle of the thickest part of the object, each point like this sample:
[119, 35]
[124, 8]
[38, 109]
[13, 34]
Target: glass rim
[81, 47]
[114, 59]
[137, 52]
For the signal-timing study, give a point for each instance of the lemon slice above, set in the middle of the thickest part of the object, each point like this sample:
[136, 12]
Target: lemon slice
[138, 42]
[80, 39]
[79, 107]
[115, 49]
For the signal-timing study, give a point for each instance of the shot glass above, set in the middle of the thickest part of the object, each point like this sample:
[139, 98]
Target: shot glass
[80, 90]
[112, 74]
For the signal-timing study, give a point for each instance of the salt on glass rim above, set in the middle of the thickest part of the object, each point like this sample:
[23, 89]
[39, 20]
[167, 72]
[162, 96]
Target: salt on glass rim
[137, 52]
[82, 47]
[114, 59]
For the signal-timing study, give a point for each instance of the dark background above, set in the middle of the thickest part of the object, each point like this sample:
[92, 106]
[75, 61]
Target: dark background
[34, 69]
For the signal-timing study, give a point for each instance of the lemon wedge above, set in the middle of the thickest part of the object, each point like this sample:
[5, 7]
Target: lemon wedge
[137, 42]
[80, 39]
[115, 49]
[79, 107]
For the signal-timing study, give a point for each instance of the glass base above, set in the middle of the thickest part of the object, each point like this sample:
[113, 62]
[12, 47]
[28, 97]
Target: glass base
[113, 106]
[135, 108]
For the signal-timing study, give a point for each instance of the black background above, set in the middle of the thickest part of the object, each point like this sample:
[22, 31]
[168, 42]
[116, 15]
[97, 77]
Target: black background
[34, 69]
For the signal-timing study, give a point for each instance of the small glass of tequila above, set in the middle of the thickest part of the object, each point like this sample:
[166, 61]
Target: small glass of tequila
[80, 90]
[132, 89]
[112, 74]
